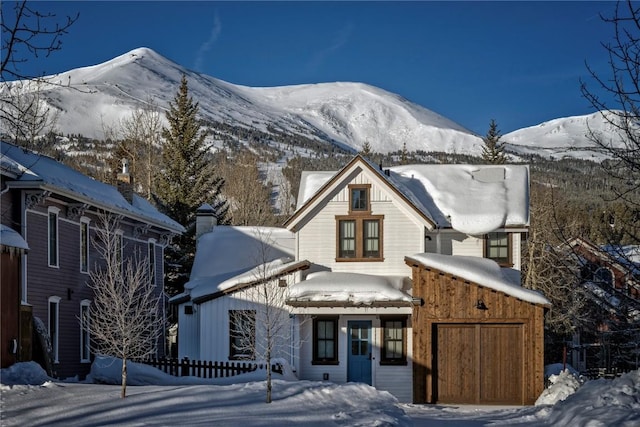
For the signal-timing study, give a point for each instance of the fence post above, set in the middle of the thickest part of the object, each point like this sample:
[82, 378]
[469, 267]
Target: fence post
[184, 367]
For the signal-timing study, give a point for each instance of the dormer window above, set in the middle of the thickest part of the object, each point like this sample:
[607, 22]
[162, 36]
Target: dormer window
[359, 198]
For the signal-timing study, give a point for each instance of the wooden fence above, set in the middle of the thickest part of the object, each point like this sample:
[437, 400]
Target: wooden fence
[206, 369]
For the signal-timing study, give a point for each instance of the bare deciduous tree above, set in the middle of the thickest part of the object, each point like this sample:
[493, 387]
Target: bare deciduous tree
[549, 264]
[125, 316]
[617, 96]
[139, 142]
[27, 34]
[262, 330]
[25, 114]
[249, 198]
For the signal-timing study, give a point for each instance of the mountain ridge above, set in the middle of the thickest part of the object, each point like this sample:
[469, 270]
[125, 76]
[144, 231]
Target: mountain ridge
[349, 114]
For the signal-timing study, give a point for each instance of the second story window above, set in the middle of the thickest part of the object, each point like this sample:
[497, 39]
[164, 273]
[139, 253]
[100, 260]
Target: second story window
[359, 233]
[53, 237]
[84, 245]
[498, 248]
[119, 247]
[152, 262]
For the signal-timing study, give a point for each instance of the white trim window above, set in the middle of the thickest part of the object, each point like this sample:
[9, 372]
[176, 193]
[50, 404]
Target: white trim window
[54, 325]
[85, 334]
[152, 261]
[84, 245]
[52, 246]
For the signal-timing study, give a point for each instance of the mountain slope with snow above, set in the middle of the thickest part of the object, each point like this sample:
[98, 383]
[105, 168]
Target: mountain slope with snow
[563, 137]
[94, 99]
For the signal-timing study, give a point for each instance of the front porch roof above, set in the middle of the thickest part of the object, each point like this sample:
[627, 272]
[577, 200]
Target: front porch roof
[329, 289]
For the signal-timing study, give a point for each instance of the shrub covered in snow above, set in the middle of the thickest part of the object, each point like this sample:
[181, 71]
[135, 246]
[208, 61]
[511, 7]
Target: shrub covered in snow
[561, 386]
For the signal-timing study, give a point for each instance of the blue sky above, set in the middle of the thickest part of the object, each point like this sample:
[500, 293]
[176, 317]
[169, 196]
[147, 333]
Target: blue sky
[516, 62]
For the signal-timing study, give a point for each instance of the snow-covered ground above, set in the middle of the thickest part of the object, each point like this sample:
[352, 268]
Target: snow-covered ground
[30, 398]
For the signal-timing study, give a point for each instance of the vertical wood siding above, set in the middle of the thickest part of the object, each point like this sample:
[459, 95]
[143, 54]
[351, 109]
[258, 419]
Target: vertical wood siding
[451, 303]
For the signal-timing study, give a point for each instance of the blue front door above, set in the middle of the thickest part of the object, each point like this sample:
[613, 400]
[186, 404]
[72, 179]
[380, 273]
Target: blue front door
[359, 360]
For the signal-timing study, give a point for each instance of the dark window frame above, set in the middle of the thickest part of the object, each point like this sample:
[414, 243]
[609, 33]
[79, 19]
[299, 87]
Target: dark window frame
[236, 353]
[333, 360]
[84, 246]
[360, 238]
[364, 189]
[384, 358]
[492, 237]
[53, 257]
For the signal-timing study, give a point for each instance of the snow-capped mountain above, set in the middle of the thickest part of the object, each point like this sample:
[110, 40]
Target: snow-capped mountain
[564, 137]
[91, 99]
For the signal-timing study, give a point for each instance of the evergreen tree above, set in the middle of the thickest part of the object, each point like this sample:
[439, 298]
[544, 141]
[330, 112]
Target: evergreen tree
[185, 180]
[366, 150]
[493, 149]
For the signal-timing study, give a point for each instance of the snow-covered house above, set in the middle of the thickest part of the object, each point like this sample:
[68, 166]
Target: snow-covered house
[610, 275]
[349, 284]
[49, 217]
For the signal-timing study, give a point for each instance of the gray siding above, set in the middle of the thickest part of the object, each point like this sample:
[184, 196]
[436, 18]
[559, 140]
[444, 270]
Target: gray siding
[67, 281]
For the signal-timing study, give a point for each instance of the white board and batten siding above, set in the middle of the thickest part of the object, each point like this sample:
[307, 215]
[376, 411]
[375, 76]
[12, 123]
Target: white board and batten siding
[188, 332]
[402, 233]
[214, 334]
[455, 243]
[397, 380]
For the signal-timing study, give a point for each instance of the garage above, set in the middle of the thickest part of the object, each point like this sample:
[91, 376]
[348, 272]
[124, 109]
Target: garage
[478, 336]
[478, 363]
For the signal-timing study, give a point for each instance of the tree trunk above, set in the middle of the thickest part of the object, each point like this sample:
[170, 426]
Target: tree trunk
[268, 358]
[123, 392]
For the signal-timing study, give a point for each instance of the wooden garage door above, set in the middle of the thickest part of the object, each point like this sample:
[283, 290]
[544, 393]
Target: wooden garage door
[479, 363]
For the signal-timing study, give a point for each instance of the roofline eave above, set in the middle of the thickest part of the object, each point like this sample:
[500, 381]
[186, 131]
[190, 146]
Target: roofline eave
[41, 185]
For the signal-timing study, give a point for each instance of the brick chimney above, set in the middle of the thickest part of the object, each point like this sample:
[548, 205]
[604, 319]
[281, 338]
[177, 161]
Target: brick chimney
[125, 181]
[206, 219]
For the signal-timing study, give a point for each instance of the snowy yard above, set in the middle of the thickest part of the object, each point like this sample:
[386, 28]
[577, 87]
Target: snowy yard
[29, 398]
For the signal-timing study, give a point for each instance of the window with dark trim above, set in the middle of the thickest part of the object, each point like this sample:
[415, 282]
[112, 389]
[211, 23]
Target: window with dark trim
[242, 334]
[53, 237]
[152, 262]
[498, 248]
[359, 238]
[359, 198]
[325, 341]
[85, 336]
[54, 325]
[84, 246]
[359, 234]
[394, 341]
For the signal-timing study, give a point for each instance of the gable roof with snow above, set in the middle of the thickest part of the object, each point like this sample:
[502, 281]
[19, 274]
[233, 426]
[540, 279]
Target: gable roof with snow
[29, 170]
[473, 199]
[231, 256]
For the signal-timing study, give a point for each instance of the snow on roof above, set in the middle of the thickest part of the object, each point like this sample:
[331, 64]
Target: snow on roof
[47, 173]
[473, 199]
[230, 255]
[310, 183]
[10, 237]
[349, 288]
[482, 271]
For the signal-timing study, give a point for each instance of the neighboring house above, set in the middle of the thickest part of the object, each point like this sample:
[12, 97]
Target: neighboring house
[358, 300]
[611, 277]
[53, 211]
